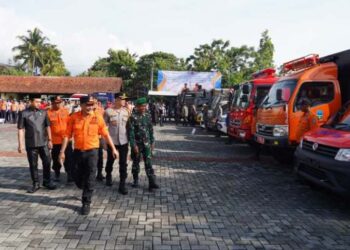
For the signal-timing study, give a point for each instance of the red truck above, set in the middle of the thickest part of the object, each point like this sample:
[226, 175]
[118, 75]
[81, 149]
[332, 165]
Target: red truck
[323, 155]
[248, 97]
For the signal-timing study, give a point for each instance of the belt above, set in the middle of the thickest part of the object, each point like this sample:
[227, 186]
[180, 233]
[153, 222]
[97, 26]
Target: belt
[88, 150]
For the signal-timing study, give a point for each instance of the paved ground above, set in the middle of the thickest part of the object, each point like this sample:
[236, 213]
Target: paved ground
[212, 196]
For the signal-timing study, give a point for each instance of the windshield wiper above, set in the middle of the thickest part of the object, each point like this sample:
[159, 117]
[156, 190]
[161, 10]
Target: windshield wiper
[342, 125]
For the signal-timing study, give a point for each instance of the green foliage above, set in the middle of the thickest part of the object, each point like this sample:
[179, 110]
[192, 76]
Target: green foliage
[35, 51]
[265, 52]
[15, 71]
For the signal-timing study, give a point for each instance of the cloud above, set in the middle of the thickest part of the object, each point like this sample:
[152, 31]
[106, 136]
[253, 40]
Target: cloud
[79, 49]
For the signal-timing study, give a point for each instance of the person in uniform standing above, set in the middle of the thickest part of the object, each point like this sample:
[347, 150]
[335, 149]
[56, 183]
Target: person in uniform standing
[308, 120]
[141, 140]
[116, 119]
[99, 110]
[58, 117]
[34, 127]
[86, 126]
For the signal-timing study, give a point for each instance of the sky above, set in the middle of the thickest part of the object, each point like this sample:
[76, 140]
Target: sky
[84, 30]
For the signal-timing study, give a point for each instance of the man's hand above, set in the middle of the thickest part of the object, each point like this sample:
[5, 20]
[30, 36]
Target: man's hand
[115, 154]
[50, 145]
[136, 149]
[20, 149]
[152, 147]
[61, 157]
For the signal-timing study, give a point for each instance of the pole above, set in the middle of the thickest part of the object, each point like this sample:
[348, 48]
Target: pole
[152, 75]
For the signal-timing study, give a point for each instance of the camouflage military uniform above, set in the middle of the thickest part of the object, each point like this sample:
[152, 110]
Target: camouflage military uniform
[141, 135]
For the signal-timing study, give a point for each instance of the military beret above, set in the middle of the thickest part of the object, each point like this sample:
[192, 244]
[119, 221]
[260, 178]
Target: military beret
[141, 101]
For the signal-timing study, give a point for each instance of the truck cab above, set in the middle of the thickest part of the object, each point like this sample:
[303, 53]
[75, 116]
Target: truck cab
[279, 115]
[247, 97]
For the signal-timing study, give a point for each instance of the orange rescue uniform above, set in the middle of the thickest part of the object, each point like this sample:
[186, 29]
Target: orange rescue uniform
[308, 121]
[58, 124]
[86, 130]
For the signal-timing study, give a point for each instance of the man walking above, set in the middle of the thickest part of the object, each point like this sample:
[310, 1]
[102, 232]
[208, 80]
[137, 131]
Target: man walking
[34, 126]
[86, 126]
[142, 142]
[116, 119]
[58, 117]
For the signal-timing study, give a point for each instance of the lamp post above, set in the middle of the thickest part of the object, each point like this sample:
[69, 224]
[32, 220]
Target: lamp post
[152, 69]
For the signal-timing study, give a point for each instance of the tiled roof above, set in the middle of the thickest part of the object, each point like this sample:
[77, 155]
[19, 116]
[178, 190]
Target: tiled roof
[59, 85]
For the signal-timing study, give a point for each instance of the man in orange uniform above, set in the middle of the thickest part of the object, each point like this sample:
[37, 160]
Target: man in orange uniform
[59, 117]
[86, 126]
[3, 109]
[308, 120]
[14, 111]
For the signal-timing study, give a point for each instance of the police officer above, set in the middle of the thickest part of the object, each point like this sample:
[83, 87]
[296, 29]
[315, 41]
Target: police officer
[142, 142]
[59, 117]
[86, 126]
[34, 126]
[116, 119]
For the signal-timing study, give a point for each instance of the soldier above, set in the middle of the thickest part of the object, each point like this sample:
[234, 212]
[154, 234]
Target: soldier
[116, 119]
[142, 142]
[34, 126]
[86, 126]
[59, 117]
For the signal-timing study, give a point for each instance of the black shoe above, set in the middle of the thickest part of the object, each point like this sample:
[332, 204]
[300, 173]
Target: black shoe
[108, 180]
[122, 189]
[70, 179]
[152, 183]
[57, 177]
[135, 184]
[100, 177]
[49, 185]
[85, 209]
[33, 188]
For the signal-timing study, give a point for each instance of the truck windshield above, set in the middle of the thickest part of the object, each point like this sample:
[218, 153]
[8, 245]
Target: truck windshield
[235, 97]
[240, 102]
[285, 87]
[343, 124]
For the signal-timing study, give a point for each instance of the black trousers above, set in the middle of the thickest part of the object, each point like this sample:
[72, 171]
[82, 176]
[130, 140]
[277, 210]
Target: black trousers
[68, 162]
[100, 157]
[85, 172]
[32, 155]
[123, 159]
[14, 117]
[3, 114]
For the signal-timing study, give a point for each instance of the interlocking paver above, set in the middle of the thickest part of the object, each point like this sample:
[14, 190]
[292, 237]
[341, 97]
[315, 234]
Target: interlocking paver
[212, 196]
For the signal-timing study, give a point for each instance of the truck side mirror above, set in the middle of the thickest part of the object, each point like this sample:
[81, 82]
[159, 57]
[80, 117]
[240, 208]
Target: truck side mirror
[244, 98]
[245, 89]
[279, 95]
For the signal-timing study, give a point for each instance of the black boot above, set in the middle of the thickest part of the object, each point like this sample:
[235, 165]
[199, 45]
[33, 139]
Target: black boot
[109, 180]
[34, 188]
[135, 184]
[100, 177]
[122, 189]
[57, 176]
[152, 182]
[49, 185]
[85, 209]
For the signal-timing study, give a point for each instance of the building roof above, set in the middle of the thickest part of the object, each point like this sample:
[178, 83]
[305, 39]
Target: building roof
[59, 85]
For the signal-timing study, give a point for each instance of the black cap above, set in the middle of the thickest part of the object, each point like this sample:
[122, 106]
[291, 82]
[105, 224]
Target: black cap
[87, 100]
[56, 99]
[120, 96]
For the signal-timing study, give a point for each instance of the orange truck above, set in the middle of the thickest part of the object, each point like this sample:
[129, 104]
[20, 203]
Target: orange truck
[320, 80]
[248, 97]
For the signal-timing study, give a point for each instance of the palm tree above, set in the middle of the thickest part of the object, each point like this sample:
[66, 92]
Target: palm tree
[32, 49]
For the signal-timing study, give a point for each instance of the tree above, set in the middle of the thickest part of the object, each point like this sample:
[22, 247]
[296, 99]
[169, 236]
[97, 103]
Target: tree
[264, 57]
[35, 51]
[151, 63]
[31, 50]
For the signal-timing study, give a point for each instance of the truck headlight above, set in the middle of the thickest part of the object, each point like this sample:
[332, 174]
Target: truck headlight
[343, 154]
[280, 130]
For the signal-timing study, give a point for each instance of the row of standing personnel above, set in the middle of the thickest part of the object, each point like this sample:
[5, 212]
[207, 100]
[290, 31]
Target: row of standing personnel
[40, 131]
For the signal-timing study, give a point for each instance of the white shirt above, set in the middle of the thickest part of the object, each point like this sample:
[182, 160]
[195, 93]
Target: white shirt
[116, 120]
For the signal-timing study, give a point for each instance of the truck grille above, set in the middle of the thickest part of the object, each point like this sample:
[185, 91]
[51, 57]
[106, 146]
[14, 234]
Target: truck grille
[324, 150]
[265, 130]
[236, 123]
